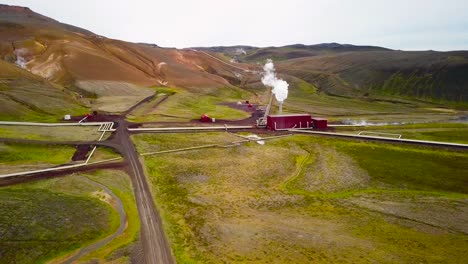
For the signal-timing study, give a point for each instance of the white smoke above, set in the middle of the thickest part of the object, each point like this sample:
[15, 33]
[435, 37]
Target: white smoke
[367, 123]
[280, 87]
[20, 60]
[256, 139]
[240, 51]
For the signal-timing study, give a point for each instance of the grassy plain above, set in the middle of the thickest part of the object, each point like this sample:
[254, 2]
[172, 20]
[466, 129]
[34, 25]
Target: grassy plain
[307, 199]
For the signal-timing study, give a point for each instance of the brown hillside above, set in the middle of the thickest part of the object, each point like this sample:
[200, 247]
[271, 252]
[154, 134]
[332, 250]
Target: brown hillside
[65, 54]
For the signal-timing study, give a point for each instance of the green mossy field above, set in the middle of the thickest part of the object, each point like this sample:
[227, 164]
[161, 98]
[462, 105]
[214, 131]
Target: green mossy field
[305, 199]
[37, 224]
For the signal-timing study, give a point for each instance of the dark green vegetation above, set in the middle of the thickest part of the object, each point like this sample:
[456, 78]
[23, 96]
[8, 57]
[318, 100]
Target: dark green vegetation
[12, 154]
[52, 218]
[308, 199]
[38, 224]
[415, 169]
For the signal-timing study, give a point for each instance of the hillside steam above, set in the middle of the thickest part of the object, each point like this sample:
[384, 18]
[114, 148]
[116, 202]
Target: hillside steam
[20, 59]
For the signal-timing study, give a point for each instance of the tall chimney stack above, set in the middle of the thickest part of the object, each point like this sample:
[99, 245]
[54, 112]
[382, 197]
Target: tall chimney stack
[280, 107]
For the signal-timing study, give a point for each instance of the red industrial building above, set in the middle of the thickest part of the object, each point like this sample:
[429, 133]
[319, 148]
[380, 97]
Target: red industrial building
[320, 123]
[276, 122]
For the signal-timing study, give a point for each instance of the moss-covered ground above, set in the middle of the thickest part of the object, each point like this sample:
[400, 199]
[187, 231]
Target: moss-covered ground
[46, 219]
[40, 221]
[306, 199]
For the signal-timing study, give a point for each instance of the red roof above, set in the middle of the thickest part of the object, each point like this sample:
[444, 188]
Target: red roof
[289, 115]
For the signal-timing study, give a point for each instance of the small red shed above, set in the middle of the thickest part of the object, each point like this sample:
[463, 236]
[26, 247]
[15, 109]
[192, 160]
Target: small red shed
[320, 123]
[275, 122]
[205, 118]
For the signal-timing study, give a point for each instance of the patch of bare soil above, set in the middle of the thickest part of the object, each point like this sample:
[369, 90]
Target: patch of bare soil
[332, 171]
[81, 152]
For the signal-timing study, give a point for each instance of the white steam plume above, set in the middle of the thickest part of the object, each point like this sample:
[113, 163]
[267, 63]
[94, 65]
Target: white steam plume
[367, 123]
[240, 51]
[20, 60]
[280, 87]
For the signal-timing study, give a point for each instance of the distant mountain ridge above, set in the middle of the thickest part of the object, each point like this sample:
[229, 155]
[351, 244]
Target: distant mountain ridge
[256, 54]
[337, 47]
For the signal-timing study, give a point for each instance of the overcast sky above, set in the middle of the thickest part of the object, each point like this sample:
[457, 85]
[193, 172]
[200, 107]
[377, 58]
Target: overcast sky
[396, 24]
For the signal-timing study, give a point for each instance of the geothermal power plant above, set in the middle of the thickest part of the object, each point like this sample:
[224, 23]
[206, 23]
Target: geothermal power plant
[284, 121]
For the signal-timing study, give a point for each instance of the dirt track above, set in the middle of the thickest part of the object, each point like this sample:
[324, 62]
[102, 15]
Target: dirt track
[155, 245]
[122, 226]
